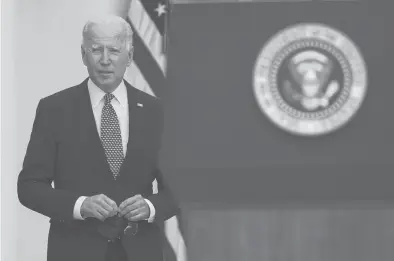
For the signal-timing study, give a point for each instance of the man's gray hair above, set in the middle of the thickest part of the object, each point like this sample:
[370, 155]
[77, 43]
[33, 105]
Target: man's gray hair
[108, 19]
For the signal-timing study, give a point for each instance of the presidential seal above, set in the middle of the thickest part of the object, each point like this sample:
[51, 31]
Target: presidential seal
[310, 79]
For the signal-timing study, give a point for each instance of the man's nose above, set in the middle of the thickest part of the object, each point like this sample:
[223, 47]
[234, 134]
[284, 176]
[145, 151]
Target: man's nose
[105, 59]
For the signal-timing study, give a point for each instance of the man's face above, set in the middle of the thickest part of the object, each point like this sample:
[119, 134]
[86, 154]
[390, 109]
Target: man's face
[105, 55]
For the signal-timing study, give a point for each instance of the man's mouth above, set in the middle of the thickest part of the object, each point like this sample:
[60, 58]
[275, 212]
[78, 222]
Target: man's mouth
[105, 73]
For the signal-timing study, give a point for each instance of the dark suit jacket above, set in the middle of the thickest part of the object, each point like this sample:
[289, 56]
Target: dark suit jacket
[65, 149]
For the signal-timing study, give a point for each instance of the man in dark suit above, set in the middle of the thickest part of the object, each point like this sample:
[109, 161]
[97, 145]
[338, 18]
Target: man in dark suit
[98, 143]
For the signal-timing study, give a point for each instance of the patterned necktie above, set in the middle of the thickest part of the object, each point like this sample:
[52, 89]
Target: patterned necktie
[110, 136]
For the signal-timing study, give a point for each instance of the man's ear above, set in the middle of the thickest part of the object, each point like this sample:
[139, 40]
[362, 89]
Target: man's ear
[83, 53]
[130, 53]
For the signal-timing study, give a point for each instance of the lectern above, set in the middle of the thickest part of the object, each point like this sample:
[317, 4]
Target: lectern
[278, 132]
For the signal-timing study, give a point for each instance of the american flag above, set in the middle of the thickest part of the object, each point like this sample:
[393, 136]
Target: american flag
[149, 20]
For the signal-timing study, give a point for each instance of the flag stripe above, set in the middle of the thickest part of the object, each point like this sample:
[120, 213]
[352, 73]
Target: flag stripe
[174, 237]
[135, 77]
[174, 244]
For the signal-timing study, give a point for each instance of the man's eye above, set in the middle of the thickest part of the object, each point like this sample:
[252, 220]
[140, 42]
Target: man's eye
[95, 50]
[115, 50]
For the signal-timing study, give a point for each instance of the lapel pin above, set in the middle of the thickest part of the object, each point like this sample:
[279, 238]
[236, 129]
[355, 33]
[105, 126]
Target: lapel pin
[140, 105]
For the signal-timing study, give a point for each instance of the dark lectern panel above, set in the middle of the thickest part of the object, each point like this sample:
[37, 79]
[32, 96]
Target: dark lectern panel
[291, 234]
[218, 144]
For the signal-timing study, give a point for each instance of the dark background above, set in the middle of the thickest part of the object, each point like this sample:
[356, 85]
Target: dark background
[251, 191]
[215, 131]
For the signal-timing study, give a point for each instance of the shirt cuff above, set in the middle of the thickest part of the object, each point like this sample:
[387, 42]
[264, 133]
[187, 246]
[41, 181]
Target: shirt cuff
[152, 211]
[77, 208]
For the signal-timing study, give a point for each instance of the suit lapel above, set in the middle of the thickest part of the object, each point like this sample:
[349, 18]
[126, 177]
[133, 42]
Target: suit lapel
[93, 148]
[136, 121]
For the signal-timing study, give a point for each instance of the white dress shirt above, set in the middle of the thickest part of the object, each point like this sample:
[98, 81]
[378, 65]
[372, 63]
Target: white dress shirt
[121, 107]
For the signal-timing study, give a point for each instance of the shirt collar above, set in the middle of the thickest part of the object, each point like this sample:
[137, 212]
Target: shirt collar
[96, 94]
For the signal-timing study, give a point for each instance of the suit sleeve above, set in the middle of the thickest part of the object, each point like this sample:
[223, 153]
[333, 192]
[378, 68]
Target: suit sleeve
[35, 189]
[164, 201]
